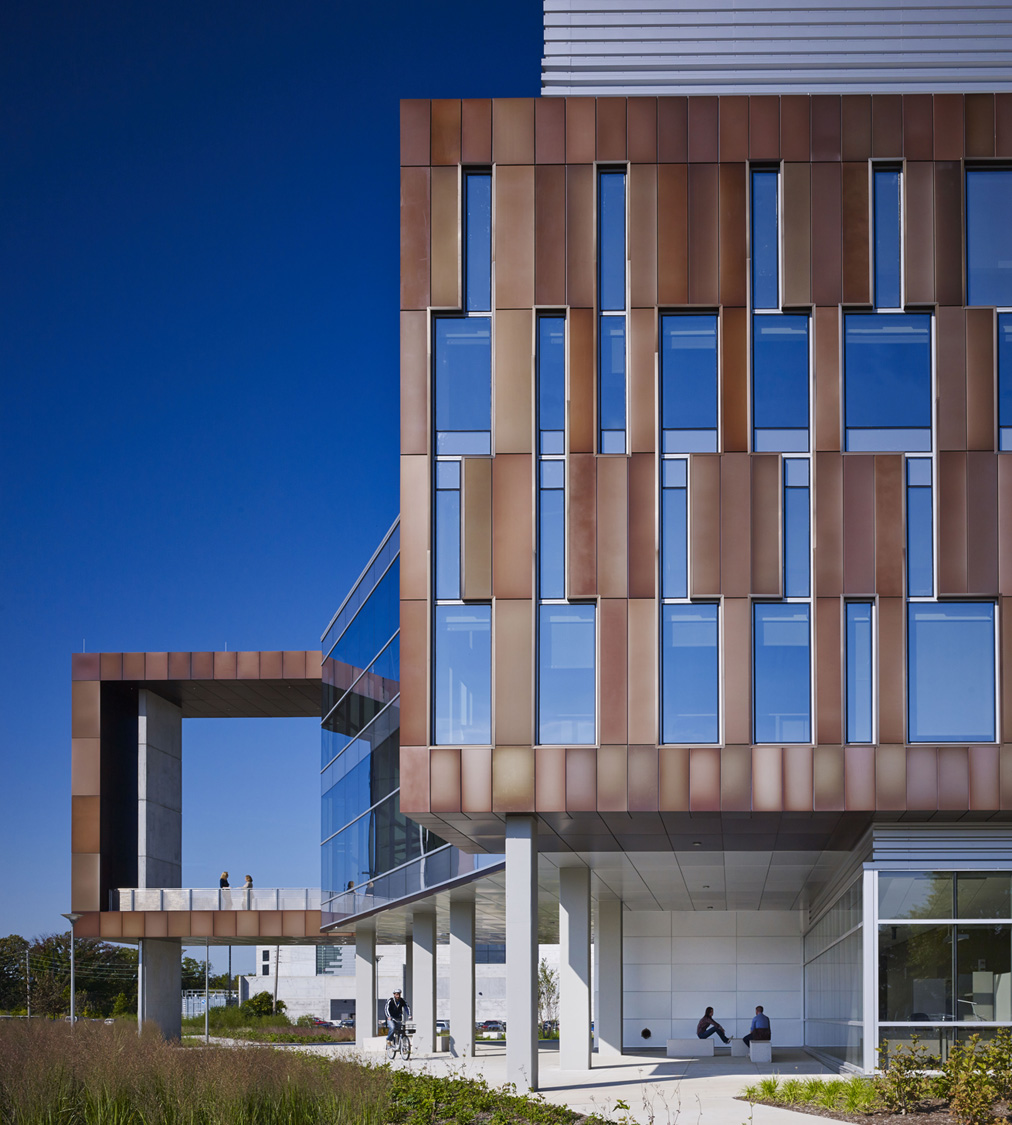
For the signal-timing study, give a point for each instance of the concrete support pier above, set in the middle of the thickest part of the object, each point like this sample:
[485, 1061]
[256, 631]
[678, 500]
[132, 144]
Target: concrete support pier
[365, 983]
[423, 1000]
[574, 968]
[522, 951]
[608, 1022]
[462, 978]
[159, 791]
[159, 985]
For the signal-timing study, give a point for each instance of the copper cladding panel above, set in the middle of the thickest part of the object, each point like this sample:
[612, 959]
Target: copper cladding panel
[950, 367]
[798, 783]
[476, 131]
[953, 778]
[736, 779]
[980, 379]
[857, 287]
[549, 131]
[855, 112]
[828, 524]
[922, 778]
[414, 645]
[948, 126]
[983, 778]
[827, 779]
[735, 525]
[550, 778]
[611, 129]
[917, 127]
[513, 131]
[795, 127]
[642, 686]
[414, 131]
[444, 780]
[512, 516]
[612, 779]
[445, 249]
[828, 672]
[1005, 626]
[512, 668]
[1005, 526]
[111, 665]
[248, 666]
[827, 379]
[703, 234]
[673, 779]
[672, 130]
[476, 528]
[133, 665]
[641, 117]
[476, 779]
[85, 767]
[766, 531]
[672, 234]
[581, 541]
[514, 237]
[982, 523]
[643, 778]
[414, 770]
[919, 275]
[582, 388]
[614, 626]
[891, 670]
[156, 666]
[734, 379]
[978, 110]
[84, 882]
[704, 123]
[951, 523]
[764, 127]
[581, 130]
[797, 234]
[704, 780]
[612, 526]
[704, 525]
[889, 525]
[642, 235]
[550, 234]
[642, 371]
[85, 829]
[734, 128]
[414, 527]
[414, 238]
[514, 381]
[949, 233]
[826, 127]
[445, 131]
[827, 223]
[642, 525]
[581, 237]
[225, 665]
[890, 778]
[886, 125]
[767, 779]
[733, 242]
[859, 524]
[85, 704]
[581, 779]
[1003, 125]
[859, 777]
[737, 651]
[86, 666]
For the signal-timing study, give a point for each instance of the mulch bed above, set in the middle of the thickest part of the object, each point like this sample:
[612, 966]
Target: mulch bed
[933, 1112]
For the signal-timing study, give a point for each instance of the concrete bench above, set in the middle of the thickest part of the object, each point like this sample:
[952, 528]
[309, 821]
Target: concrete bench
[761, 1051]
[690, 1048]
[738, 1049]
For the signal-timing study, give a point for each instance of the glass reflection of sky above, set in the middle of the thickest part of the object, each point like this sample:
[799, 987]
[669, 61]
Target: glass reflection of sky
[567, 679]
[781, 673]
[690, 674]
[988, 237]
[463, 358]
[611, 240]
[780, 383]
[764, 241]
[689, 383]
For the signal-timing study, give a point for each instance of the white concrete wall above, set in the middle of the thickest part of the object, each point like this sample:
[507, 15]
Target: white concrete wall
[676, 964]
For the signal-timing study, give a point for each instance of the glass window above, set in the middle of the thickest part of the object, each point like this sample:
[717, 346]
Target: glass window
[1005, 382]
[859, 672]
[797, 542]
[611, 384]
[765, 293]
[478, 227]
[552, 530]
[552, 384]
[887, 239]
[689, 384]
[915, 972]
[982, 894]
[463, 360]
[690, 704]
[780, 383]
[951, 669]
[887, 382]
[781, 673]
[674, 529]
[567, 685]
[983, 973]
[611, 240]
[447, 519]
[920, 538]
[915, 894]
[988, 236]
[462, 676]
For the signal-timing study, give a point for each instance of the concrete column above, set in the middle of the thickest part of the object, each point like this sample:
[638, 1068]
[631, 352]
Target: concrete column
[608, 1021]
[423, 973]
[522, 952]
[869, 953]
[462, 978]
[365, 983]
[574, 968]
[159, 985]
[408, 977]
[159, 791]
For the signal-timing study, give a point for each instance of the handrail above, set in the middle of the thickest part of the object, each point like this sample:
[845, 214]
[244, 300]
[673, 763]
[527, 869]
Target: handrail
[131, 899]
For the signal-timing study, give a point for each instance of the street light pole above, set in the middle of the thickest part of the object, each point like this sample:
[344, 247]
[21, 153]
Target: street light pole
[72, 918]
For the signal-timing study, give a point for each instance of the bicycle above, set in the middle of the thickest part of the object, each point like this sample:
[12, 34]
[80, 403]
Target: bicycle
[399, 1044]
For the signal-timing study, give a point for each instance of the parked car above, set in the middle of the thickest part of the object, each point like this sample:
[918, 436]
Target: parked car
[492, 1025]
[442, 1026]
[321, 1023]
[346, 1023]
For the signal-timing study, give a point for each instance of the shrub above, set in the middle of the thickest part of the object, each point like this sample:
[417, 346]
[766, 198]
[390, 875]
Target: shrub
[971, 1084]
[261, 1004]
[859, 1095]
[905, 1083]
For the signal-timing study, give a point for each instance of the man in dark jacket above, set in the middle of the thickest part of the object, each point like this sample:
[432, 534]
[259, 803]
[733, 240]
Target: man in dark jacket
[396, 1012]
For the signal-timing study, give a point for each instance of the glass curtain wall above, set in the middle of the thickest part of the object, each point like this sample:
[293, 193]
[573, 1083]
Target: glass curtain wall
[834, 980]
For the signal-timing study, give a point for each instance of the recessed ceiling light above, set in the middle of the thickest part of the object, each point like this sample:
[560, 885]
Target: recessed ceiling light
[706, 886]
[697, 843]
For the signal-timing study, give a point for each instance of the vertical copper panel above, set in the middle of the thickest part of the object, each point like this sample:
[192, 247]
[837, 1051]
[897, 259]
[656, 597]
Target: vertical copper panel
[512, 516]
[767, 538]
[795, 127]
[581, 779]
[672, 234]
[476, 131]
[672, 130]
[85, 767]
[733, 242]
[642, 369]
[642, 526]
[953, 778]
[581, 542]
[767, 779]
[513, 130]
[111, 924]
[445, 127]
[414, 645]
[111, 665]
[856, 235]
[179, 923]
[248, 666]
[414, 527]
[889, 525]
[612, 526]
[85, 666]
[736, 779]
[919, 239]
[980, 379]
[156, 666]
[859, 524]
[550, 234]
[85, 705]
[982, 523]
[414, 131]
[476, 779]
[202, 663]
[673, 779]
[886, 125]
[950, 367]
[513, 779]
[85, 824]
[550, 778]
[827, 779]
[1005, 526]
[734, 379]
[764, 127]
[983, 777]
[890, 778]
[827, 379]
[826, 127]
[611, 131]
[514, 699]
[444, 780]
[856, 118]
[514, 237]
[444, 263]
[917, 127]
[735, 531]
[156, 923]
[223, 922]
[733, 128]
[859, 777]
[582, 382]
[798, 783]
[704, 525]
[1005, 626]
[414, 238]
[951, 523]
[641, 115]
[827, 223]
[580, 236]
[247, 922]
[85, 893]
[476, 529]
[581, 130]
[643, 235]
[704, 779]
[978, 110]
[643, 779]
[612, 779]
[179, 666]
[703, 234]
[550, 130]
[949, 233]
[1003, 125]
[797, 233]
[271, 665]
[737, 656]
[922, 777]
[891, 670]
[514, 381]
[614, 626]
[642, 684]
[828, 672]
[704, 120]
[948, 127]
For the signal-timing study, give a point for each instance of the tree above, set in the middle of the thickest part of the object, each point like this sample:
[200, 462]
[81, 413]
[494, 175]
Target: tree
[262, 1004]
[102, 972]
[548, 992]
[12, 972]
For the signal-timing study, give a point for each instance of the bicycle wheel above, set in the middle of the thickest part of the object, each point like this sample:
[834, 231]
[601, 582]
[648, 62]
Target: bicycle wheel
[405, 1047]
[391, 1049]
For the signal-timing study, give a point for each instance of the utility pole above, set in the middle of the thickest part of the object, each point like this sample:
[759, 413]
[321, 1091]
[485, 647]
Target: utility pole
[277, 973]
[207, 1010]
[28, 986]
[72, 918]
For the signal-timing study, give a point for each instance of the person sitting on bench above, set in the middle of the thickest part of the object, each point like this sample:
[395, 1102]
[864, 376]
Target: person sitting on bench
[708, 1026]
[760, 1029]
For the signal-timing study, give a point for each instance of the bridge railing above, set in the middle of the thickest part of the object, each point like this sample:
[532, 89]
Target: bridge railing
[214, 898]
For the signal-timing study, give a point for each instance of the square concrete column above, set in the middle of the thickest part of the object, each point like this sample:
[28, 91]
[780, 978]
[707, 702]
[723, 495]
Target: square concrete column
[423, 974]
[522, 952]
[608, 1022]
[574, 968]
[869, 954]
[365, 983]
[462, 978]
[159, 791]
[159, 985]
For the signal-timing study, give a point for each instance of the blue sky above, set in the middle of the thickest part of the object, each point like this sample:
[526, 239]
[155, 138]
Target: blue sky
[198, 363]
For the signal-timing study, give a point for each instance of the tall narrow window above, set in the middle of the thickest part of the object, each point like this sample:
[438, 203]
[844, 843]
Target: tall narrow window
[462, 675]
[689, 383]
[1005, 381]
[611, 229]
[567, 686]
[463, 385]
[447, 529]
[988, 237]
[920, 538]
[765, 287]
[674, 528]
[797, 538]
[551, 383]
[781, 672]
[887, 239]
[859, 672]
[780, 383]
[690, 674]
[478, 241]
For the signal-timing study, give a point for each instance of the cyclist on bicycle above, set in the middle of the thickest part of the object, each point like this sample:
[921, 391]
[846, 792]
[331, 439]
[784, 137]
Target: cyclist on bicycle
[396, 1012]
